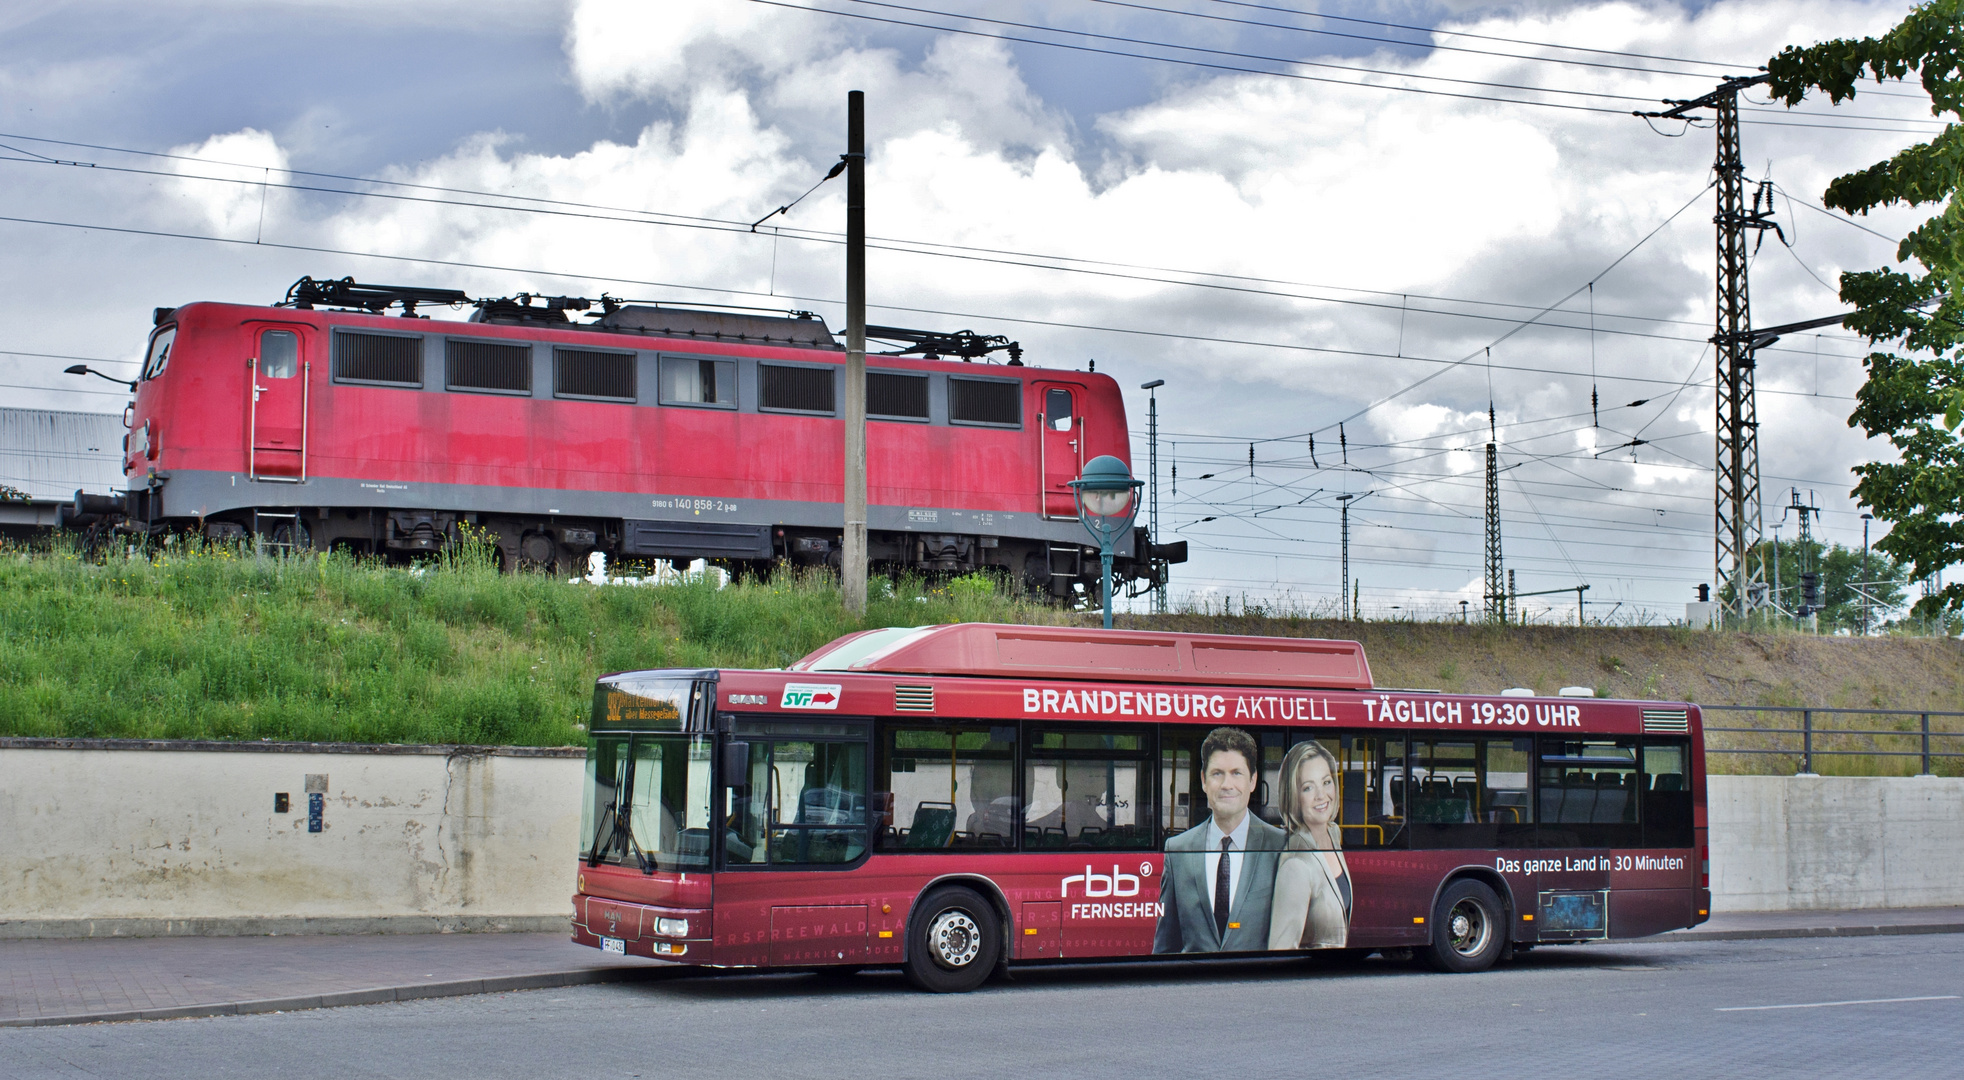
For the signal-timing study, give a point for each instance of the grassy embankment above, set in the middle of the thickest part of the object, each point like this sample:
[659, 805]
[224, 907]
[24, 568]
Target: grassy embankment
[1677, 664]
[206, 644]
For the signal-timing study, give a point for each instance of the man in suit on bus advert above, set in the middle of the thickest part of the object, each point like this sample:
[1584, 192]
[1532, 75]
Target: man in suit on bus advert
[1216, 890]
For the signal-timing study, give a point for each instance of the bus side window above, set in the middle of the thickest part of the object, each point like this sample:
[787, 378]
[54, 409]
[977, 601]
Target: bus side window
[805, 802]
[1587, 790]
[1267, 801]
[1371, 782]
[1088, 790]
[947, 788]
[1182, 803]
[1666, 787]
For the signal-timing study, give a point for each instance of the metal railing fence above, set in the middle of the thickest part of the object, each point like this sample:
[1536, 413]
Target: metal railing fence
[1855, 742]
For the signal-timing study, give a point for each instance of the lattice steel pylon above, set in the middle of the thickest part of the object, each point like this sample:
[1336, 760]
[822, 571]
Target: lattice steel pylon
[1496, 581]
[1738, 558]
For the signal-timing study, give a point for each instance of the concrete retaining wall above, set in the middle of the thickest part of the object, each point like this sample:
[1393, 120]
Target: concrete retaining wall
[1783, 843]
[111, 838]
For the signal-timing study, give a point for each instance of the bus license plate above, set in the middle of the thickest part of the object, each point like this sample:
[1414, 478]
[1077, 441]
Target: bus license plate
[613, 945]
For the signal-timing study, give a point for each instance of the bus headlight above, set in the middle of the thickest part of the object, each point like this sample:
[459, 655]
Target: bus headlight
[672, 927]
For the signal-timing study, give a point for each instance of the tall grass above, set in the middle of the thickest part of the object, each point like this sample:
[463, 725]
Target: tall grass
[212, 642]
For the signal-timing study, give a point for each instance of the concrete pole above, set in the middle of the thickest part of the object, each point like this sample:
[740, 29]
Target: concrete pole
[852, 567]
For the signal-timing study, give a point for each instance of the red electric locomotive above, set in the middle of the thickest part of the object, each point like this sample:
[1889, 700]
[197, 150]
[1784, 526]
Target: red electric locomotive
[647, 432]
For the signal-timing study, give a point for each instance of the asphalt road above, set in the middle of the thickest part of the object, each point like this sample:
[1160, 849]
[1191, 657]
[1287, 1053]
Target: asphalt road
[1803, 1007]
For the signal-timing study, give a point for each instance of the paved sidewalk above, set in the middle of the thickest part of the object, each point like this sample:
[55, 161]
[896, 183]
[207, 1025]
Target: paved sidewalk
[73, 981]
[105, 979]
[1748, 925]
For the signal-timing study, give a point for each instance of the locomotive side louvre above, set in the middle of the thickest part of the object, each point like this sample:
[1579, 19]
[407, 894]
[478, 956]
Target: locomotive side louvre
[313, 429]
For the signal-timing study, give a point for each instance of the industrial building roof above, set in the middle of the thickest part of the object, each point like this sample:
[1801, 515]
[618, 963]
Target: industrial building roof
[50, 454]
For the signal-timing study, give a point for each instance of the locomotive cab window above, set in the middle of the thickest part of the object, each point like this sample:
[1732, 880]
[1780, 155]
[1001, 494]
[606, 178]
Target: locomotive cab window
[279, 354]
[686, 380]
[159, 356]
[1057, 408]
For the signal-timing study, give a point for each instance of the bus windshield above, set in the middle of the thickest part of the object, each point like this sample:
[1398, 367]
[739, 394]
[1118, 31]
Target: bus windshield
[647, 801]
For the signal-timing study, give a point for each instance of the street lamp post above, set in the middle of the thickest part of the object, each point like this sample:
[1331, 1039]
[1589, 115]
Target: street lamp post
[1152, 491]
[1107, 503]
[84, 369]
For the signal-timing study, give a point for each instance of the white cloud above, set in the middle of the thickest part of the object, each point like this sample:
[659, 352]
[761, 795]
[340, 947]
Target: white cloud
[231, 209]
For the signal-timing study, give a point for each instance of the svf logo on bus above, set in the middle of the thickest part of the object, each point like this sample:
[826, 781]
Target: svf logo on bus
[809, 696]
[1112, 884]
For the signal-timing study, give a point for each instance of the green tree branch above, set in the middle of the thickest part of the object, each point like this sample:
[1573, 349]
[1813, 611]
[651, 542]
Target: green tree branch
[1913, 315]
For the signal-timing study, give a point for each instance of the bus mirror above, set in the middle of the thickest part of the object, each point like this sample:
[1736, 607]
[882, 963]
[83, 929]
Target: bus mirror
[736, 764]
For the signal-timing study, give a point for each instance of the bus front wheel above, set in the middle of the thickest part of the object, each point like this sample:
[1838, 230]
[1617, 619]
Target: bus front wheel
[954, 940]
[1468, 928]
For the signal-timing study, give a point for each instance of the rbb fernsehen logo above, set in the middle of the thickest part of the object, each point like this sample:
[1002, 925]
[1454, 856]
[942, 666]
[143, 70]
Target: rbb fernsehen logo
[1112, 884]
[809, 696]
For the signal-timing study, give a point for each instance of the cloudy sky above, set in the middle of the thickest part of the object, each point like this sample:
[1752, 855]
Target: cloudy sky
[1364, 227]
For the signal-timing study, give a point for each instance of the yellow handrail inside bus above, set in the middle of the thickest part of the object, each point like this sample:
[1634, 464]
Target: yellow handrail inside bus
[1379, 828]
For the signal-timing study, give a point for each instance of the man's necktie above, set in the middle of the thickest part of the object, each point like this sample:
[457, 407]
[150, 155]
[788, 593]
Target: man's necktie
[1221, 894]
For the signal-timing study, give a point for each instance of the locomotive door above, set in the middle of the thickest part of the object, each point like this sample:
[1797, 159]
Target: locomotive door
[276, 432]
[1062, 418]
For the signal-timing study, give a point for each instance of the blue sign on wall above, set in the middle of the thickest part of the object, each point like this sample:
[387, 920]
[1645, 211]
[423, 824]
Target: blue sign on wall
[316, 806]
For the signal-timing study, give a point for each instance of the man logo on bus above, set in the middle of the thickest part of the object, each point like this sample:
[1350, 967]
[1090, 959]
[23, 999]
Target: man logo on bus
[1112, 884]
[809, 696]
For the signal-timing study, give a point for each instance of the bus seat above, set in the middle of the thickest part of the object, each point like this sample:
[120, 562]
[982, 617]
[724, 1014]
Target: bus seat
[1551, 802]
[1579, 803]
[1441, 811]
[933, 827]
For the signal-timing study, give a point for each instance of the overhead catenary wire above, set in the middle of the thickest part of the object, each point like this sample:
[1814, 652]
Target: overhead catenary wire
[1277, 9]
[1132, 4]
[1299, 76]
[621, 280]
[1049, 261]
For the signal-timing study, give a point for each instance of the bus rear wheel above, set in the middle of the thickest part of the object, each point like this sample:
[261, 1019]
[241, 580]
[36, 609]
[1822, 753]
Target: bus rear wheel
[954, 939]
[1468, 928]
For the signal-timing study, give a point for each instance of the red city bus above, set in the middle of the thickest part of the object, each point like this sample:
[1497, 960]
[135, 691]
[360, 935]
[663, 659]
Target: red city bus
[954, 799]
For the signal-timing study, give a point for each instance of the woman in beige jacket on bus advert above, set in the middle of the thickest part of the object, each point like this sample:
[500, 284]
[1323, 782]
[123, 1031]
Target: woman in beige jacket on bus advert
[1312, 902]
